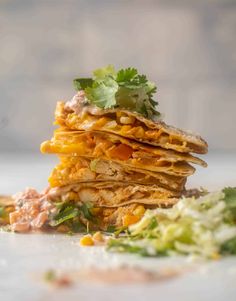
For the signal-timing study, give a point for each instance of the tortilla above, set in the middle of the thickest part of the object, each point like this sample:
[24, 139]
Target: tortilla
[128, 124]
[74, 169]
[6, 200]
[113, 194]
[112, 147]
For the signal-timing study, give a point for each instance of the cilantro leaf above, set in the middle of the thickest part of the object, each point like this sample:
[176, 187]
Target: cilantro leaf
[151, 88]
[126, 89]
[136, 100]
[108, 71]
[72, 215]
[82, 83]
[102, 94]
[64, 215]
[130, 78]
[126, 75]
[86, 212]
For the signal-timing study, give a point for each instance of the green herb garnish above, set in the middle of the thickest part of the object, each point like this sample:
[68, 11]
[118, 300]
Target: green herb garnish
[50, 276]
[85, 209]
[72, 215]
[125, 89]
[82, 83]
[68, 213]
[111, 229]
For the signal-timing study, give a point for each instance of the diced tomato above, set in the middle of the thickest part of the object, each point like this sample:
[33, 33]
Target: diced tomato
[122, 152]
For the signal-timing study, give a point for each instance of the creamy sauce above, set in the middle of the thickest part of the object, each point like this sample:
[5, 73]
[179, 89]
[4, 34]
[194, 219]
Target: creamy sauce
[80, 105]
[124, 275]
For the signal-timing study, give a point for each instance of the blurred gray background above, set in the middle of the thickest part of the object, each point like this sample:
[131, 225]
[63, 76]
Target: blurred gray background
[187, 47]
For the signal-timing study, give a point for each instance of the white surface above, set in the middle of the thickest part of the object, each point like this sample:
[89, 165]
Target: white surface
[24, 257]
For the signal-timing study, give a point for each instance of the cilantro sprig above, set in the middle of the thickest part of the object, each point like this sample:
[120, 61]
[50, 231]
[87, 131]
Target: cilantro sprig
[125, 89]
[72, 215]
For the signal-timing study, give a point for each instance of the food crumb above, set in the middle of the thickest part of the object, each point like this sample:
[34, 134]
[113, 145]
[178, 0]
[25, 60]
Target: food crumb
[98, 237]
[53, 278]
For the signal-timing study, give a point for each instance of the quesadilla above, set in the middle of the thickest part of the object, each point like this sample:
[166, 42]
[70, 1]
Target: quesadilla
[121, 150]
[34, 211]
[110, 194]
[78, 114]
[117, 158]
[111, 219]
[74, 169]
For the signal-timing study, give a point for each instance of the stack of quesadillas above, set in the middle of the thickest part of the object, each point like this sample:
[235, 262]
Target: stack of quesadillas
[115, 153]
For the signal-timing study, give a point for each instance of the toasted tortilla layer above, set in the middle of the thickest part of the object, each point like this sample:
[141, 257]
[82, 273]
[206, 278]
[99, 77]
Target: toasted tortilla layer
[74, 169]
[121, 150]
[128, 124]
[114, 194]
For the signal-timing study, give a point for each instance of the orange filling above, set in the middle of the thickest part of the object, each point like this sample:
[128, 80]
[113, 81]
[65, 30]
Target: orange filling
[122, 152]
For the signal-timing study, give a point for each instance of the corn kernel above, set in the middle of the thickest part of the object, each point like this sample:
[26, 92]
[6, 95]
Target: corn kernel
[130, 219]
[139, 132]
[101, 122]
[125, 128]
[140, 210]
[98, 237]
[86, 241]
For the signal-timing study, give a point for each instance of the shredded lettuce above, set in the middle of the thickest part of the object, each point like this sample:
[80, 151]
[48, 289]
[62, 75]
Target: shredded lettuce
[203, 226]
